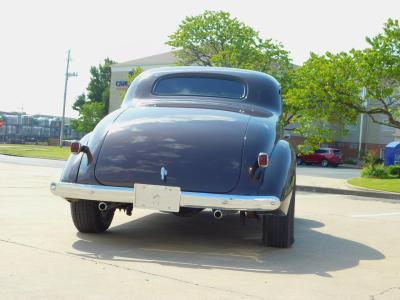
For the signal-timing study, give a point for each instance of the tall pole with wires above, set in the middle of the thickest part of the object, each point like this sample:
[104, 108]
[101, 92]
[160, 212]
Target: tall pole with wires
[67, 75]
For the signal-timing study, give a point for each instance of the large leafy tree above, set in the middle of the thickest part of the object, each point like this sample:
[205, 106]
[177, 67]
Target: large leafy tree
[325, 92]
[79, 102]
[98, 92]
[218, 39]
[90, 114]
[379, 65]
[320, 88]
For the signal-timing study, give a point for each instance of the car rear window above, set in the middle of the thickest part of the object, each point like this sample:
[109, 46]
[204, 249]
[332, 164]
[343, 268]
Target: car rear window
[322, 151]
[337, 152]
[200, 86]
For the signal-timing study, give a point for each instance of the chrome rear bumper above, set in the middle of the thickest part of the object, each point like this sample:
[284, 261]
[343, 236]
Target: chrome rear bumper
[188, 199]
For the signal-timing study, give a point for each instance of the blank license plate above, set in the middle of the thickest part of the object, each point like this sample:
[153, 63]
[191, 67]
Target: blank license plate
[157, 197]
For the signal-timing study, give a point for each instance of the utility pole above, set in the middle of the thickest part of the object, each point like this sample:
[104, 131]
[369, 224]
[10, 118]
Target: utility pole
[67, 75]
[363, 94]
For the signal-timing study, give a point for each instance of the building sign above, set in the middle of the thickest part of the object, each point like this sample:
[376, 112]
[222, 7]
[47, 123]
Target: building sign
[121, 84]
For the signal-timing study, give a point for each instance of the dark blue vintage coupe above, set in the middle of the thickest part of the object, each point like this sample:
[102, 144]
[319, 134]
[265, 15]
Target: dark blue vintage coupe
[187, 139]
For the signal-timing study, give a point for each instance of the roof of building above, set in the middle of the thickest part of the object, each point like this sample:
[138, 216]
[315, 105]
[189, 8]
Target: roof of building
[166, 58]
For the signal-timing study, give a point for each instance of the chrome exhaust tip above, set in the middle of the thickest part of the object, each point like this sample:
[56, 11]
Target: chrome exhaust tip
[218, 214]
[103, 206]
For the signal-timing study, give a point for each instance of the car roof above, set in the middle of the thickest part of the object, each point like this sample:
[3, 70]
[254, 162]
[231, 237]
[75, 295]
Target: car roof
[262, 89]
[205, 69]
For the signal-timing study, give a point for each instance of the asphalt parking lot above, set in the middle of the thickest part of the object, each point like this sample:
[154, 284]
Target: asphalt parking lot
[328, 172]
[346, 248]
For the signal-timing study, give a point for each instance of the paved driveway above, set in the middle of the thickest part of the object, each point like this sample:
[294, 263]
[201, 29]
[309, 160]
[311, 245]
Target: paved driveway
[346, 248]
[328, 172]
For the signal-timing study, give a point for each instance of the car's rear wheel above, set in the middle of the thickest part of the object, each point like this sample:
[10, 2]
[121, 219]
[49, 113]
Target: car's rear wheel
[88, 218]
[278, 231]
[299, 161]
[324, 163]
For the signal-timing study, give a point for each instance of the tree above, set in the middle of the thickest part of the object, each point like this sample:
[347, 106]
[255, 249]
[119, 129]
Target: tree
[380, 69]
[98, 91]
[79, 102]
[131, 76]
[217, 39]
[90, 114]
[316, 98]
[325, 92]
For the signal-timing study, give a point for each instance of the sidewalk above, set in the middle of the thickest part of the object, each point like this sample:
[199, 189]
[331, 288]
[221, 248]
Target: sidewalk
[338, 186]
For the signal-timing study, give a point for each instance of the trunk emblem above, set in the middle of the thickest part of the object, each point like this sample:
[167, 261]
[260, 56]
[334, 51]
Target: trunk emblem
[164, 173]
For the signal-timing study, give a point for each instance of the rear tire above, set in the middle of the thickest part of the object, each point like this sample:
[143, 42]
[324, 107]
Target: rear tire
[88, 218]
[278, 231]
[299, 161]
[324, 163]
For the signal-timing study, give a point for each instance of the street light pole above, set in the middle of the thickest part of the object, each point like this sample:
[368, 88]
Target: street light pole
[67, 75]
[363, 94]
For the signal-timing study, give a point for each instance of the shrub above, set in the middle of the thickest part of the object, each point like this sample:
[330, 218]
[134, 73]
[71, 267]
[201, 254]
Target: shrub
[394, 170]
[371, 159]
[375, 171]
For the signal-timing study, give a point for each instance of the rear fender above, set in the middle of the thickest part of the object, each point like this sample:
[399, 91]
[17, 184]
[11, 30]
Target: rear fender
[86, 170]
[280, 176]
[71, 168]
[77, 168]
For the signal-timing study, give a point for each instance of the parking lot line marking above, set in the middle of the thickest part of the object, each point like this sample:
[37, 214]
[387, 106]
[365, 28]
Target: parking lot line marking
[375, 215]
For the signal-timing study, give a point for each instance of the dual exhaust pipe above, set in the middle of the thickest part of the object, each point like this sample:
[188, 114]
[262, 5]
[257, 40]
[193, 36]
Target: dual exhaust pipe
[218, 214]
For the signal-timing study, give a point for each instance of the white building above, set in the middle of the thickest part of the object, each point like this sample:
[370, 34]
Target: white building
[119, 73]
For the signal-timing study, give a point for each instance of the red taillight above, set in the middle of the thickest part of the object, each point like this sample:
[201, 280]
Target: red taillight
[75, 147]
[263, 160]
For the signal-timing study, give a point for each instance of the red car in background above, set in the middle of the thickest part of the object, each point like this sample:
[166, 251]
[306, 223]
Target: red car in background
[322, 156]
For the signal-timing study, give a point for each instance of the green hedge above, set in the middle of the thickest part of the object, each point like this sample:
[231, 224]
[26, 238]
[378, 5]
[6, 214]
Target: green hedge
[380, 171]
[394, 170]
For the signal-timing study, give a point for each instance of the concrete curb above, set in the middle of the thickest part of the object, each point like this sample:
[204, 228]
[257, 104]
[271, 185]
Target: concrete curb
[372, 194]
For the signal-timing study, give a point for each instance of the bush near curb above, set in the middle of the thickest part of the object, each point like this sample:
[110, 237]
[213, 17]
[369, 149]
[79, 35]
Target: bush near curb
[374, 168]
[375, 171]
[394, 170]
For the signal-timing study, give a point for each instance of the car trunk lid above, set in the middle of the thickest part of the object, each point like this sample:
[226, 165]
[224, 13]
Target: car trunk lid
[201, 149]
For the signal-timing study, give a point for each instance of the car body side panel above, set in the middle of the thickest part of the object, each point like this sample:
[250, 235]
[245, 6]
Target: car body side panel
[279, 177]
[261, 136]
[95, 142]
[71, 168]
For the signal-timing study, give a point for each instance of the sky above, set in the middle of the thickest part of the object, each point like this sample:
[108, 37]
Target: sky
[36, 35]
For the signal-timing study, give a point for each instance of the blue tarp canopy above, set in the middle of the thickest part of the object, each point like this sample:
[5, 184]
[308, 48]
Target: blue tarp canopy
[392, 153]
